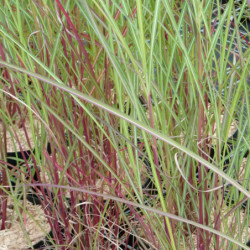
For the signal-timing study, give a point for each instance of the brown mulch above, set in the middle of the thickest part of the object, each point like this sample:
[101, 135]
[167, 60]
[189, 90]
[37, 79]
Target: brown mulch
[31, 225]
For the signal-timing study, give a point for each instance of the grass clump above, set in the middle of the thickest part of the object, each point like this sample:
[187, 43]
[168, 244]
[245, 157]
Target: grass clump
[138, 116]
